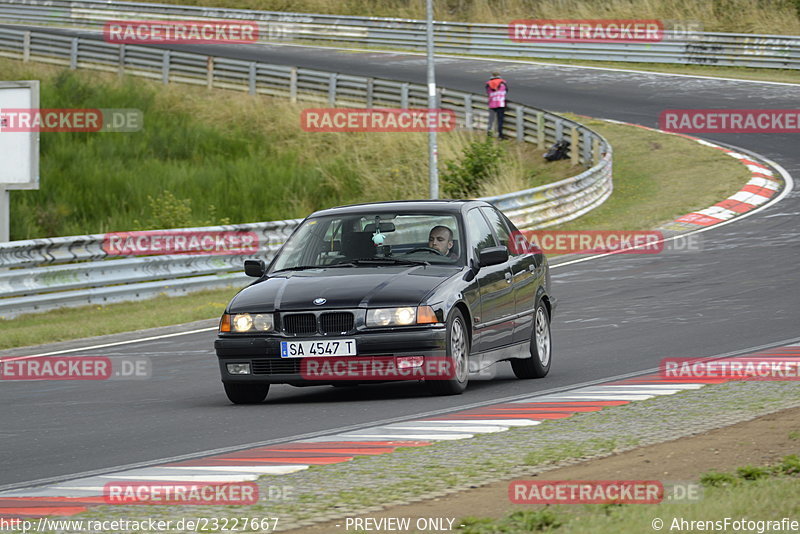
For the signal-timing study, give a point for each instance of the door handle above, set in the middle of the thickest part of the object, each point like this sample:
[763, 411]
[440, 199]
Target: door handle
[508, 277]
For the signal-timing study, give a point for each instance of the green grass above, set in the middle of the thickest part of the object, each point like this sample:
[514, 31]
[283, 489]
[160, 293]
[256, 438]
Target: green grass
[214, 157]
[658, 178]
[88, 321]
[569, 450]
[772, 495]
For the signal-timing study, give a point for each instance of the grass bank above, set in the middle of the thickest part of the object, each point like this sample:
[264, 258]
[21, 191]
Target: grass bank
[216, 157]
[654, 182]
[770, 491]
[742, 16]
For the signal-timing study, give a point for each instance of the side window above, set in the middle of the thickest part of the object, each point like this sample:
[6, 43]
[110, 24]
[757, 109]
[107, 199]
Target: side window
[479, 231]
[519, 242]
[499, 227]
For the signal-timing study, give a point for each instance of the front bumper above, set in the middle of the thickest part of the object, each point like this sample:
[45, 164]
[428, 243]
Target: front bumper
[268, 367]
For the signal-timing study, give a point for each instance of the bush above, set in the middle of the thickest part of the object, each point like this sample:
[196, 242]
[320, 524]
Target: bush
[750, 472]
[478, 165]
[717, 480]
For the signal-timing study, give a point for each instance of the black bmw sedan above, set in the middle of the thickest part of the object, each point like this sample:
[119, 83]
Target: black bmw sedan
[411, 290]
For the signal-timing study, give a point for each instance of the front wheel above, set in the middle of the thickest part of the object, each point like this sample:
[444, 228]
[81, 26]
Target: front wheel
[246, 393]
[457, 357]
[538, 365]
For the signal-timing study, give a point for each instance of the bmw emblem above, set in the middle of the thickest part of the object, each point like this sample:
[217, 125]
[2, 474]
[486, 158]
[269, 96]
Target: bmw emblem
[320, 301]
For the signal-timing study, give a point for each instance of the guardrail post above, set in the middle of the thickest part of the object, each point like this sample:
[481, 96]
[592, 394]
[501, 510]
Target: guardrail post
[26, 46]
[121, 69]
[73, 54]
[293, 85]
[575, 148]
[520, 123]
[332, 89]
[596, 149]
[370, 92]
[586, 142]
[165, 67]
[252, 78]
[468, 112]
[404, 96]
[210, 72]
[540, 137]
[559, 130]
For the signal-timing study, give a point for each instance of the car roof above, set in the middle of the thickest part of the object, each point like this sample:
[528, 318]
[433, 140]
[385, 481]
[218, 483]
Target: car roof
[395, 206]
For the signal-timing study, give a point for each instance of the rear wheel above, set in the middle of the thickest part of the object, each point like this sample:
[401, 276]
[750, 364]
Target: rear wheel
[538, 365]
[246, 393]
[457, 354]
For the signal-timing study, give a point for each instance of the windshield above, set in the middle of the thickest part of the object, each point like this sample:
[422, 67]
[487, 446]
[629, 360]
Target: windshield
[373, 239]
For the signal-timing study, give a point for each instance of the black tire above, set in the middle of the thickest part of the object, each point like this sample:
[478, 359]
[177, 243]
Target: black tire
[538, 365]
[246, 393]
[457, 350]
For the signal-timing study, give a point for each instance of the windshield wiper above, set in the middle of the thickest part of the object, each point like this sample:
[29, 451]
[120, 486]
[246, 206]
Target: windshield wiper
[306, 267]
[385, 261]
[354, 263]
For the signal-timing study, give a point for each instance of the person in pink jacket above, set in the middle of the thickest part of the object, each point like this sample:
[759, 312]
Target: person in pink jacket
[496, 90]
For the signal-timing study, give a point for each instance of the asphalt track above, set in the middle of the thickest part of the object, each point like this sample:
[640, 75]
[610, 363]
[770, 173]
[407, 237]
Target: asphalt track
[617, 314]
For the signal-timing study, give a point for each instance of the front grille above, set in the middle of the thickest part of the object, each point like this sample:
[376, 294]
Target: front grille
[276, 366]
[300, 323]
[336, 322]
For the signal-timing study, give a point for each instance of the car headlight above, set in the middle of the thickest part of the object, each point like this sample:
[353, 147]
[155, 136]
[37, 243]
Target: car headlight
[401, 316]
[245, 322]
[264, 323]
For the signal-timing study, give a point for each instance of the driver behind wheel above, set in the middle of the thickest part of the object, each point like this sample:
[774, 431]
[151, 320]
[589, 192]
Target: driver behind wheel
[441, 239]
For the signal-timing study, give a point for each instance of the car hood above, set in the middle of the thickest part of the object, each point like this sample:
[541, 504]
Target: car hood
[342, 287]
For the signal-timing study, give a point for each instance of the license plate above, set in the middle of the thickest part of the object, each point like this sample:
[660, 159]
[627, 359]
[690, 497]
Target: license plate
[328, 347]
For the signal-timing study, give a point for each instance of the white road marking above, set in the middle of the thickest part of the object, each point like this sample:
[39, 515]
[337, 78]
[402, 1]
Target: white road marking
[411, 436]
[499, 422]
[93, 347]
[177, 477]
[255, 468]
[475, 427]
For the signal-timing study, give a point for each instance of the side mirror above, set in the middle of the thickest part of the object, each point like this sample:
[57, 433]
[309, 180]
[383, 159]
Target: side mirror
[255, 268]
[492, 256]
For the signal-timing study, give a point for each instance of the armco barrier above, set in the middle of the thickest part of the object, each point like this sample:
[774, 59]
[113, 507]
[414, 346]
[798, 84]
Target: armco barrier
[681, 47]
[42, 274]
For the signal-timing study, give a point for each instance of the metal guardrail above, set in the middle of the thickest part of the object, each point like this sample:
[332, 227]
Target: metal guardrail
[690, 48]
[42, 274]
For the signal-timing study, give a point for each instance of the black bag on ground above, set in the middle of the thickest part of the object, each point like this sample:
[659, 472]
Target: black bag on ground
[557, 151]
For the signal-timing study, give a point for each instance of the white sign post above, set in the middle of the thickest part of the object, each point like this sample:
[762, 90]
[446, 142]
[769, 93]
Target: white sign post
[19, 150]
